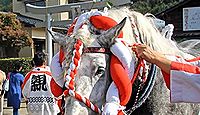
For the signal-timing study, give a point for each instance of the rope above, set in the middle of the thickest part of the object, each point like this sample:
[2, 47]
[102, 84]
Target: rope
[146, 87]
[70, 76]
[80, 98]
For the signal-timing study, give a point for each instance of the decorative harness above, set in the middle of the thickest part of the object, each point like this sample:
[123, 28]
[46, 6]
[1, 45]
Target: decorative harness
[140, 73]
[72, 71]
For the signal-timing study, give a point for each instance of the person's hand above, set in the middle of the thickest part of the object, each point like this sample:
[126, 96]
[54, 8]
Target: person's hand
[146, 53]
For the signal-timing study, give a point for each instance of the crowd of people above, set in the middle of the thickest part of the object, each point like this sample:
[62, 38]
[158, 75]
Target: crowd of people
[34, 87]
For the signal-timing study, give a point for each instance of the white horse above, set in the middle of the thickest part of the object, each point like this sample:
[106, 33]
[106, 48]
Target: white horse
[93, 78]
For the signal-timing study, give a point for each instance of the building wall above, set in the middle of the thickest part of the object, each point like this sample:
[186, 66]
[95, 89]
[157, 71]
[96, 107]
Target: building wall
[35, 32]
[64, 15]
[175, 16]
[38, 33]
[26, 52]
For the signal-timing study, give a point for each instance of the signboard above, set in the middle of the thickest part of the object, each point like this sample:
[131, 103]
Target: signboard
[191, 19]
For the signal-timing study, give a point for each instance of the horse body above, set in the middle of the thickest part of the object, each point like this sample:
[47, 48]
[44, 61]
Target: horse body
[92, 79]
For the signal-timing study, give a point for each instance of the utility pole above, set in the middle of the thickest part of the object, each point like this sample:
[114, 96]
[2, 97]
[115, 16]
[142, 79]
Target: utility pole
[48, 44]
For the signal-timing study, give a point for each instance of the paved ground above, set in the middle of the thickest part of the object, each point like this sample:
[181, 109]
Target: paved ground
[8, 110]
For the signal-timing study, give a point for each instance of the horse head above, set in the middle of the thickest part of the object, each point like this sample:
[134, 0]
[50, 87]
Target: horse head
[92, 77]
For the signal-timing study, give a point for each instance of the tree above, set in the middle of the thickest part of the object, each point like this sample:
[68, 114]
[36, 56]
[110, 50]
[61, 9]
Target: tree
[6, 5]
[152, 6]
[12, 37]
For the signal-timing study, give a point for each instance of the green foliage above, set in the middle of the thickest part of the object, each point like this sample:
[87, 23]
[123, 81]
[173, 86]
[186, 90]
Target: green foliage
[8, 64]
[141, 6]
[11, 33]
[162, 6]
[6, 5]
[153, 6]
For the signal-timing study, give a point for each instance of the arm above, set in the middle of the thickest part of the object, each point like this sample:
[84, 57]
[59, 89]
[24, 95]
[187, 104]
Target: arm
[184, 75]
[145, 52]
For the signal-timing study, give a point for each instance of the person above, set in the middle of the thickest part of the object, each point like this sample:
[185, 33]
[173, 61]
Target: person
[2, 78]
[182, 76]
[36, 88]
[14, 96]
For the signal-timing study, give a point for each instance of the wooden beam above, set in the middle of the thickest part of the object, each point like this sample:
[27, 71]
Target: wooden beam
[68, 7]
[55, 23]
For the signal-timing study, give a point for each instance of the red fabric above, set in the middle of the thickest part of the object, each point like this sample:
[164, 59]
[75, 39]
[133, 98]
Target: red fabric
[118, 73]
[61, 56]
[121, 79]
[167, 79]
[57, 91]
[59, 103]
[185, 67]
[55, 88]
[120, 113]
[194, 59]
[71, 28]
[104, 23]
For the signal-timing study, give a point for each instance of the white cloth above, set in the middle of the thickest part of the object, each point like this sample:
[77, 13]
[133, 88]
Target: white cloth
[124, 55]
[85, 16]
[167, 31]
[37, 91]
[57, 70]
[185, 80]
[2, 78]
[122, 52]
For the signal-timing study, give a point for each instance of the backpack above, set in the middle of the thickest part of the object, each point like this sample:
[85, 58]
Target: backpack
[5, 85]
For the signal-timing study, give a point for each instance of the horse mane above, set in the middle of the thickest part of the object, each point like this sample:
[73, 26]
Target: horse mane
[191, 46]
[148, 33]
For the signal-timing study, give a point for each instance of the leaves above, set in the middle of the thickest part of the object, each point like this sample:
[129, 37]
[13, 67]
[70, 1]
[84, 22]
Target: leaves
[153, 6]
[6, 5]
[11, 33]
[141, 6]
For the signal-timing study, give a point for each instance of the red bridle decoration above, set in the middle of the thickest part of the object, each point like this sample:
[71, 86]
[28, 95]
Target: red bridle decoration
[118, 73]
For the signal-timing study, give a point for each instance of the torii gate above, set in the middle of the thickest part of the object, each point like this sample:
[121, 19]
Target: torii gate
[75, 8]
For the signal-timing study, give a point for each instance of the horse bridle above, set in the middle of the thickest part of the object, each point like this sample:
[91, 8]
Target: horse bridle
[96, 50]
[138, 102]
[146, 88]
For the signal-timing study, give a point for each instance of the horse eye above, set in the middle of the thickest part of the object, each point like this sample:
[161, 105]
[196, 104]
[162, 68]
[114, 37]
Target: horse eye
[97, 32]
[100, 71]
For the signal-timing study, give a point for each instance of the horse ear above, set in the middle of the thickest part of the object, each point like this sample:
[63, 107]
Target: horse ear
[107, 38]
[59, 38]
